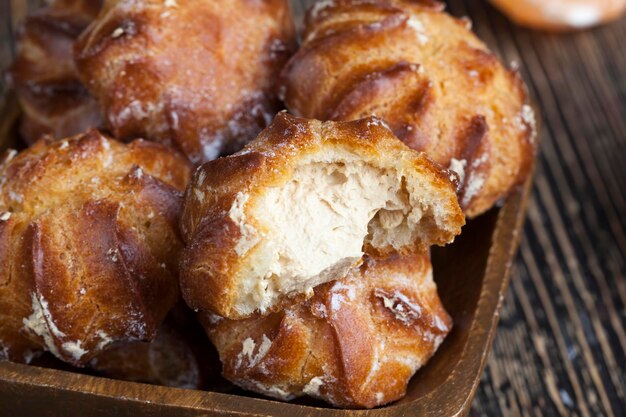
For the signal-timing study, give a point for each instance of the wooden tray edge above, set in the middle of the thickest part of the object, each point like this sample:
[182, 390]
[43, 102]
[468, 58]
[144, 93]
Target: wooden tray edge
[25, 383]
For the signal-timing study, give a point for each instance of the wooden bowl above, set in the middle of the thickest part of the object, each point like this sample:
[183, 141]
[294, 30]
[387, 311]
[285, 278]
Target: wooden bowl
[472, 276]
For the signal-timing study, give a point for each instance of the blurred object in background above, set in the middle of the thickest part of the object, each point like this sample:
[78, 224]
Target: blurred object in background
[52, 98]
[561, 15]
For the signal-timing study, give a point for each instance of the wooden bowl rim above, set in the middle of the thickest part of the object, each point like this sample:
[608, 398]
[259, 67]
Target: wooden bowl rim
[464, 378]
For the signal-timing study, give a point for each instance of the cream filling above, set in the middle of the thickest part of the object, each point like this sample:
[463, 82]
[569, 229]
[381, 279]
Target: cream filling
[315, 225]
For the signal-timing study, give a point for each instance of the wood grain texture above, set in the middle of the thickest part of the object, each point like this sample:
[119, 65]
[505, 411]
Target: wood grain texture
[561, 343]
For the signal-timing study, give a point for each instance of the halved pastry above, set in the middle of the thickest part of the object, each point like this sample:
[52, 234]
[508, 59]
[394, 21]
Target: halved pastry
[425, 73]
[89, 244]
[299, 206]
[198, 75]
[355, 343]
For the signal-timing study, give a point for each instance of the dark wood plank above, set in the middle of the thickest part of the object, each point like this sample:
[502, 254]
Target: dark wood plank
[560, 347]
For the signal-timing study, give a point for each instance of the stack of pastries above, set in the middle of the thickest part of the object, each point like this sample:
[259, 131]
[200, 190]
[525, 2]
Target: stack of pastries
[303, 250]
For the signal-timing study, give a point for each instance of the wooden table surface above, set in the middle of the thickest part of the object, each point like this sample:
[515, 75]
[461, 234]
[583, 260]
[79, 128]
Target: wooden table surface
[561, 343]
[560, 348]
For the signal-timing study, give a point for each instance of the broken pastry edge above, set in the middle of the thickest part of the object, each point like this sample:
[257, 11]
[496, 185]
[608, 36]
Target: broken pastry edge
[226, 237]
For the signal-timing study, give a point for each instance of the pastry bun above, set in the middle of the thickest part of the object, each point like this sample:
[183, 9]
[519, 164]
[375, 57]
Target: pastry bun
[89, 245]
[197, 75]
[355, 343]
[428, 77]
[297, 207]
[53, 100]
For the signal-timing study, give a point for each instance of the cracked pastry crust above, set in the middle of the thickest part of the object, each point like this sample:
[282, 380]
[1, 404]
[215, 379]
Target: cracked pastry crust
[355, 343]
[297, 207]
[198, 75]
[53, 100]
[428, 77]
[89, 244]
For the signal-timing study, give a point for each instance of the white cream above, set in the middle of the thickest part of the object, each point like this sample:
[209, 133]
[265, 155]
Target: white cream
[314, 226]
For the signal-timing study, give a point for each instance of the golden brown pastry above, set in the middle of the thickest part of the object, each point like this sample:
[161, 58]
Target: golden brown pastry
[179, 356]
[195, 74]
[297, 207]
[89, 244]
[355, 343]
[428, 77]
[52, 99]
[559, 15]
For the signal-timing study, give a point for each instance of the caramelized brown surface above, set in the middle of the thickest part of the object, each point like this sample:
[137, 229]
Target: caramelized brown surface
[429, 77]
[212, 267]
[355, 343]
[53, 100]
[90, 244]
[195, 74]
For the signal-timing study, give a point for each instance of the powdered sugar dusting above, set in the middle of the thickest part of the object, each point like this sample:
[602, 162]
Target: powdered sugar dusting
[475, 181]
[199, 195]
[474, 185]
[312, 388]
[319, 310]
[248, 347]
[41, 324]
[376, 362]
[375, 121]
[11, 153]
[379, 397]
[458, 166]
[104, 339]
[136, 110]
[213, 148]
[319, 6]
[415, 24]
[74, 349]
[527, 116]
[400, 305]
[439, 324]
[346, 289]
[335, 301]
[200, 177]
